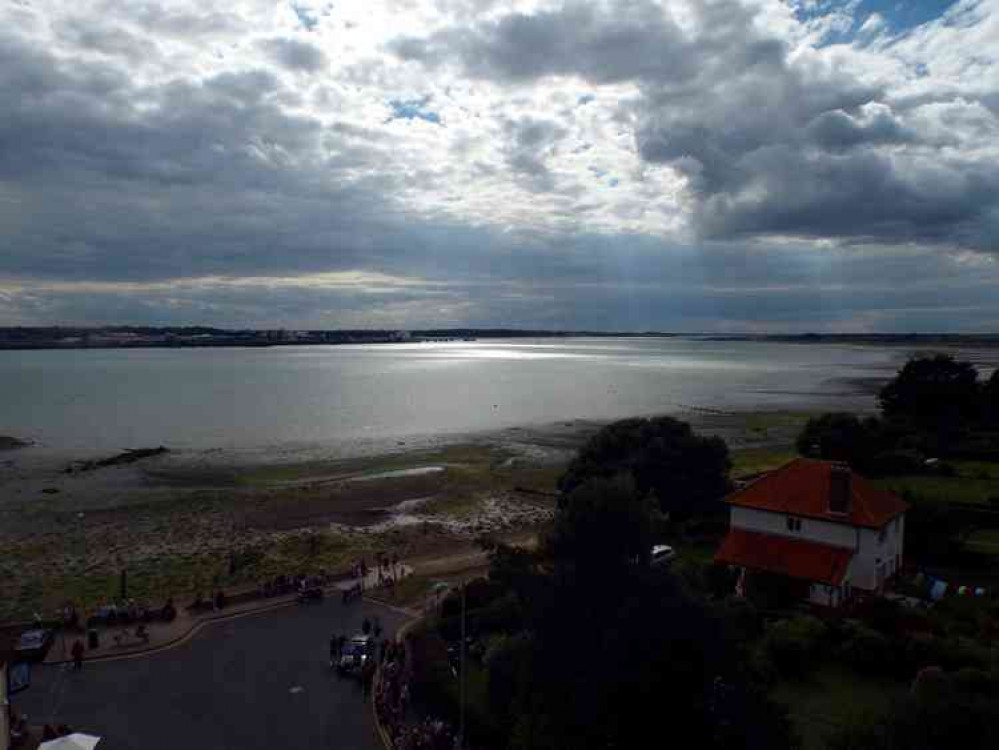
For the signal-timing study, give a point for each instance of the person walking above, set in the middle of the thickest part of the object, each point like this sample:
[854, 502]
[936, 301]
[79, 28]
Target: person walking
[77, 652]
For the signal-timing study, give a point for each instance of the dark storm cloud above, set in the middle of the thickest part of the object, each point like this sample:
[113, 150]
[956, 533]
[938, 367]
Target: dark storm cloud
[769, 143]
[835, 130]
[209, 177]
[726, 289]
[294, 55]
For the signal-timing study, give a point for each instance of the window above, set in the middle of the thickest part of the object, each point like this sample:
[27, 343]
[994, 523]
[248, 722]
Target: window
[793, 524]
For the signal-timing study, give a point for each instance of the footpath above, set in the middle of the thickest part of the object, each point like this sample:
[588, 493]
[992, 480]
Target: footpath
[120, 642]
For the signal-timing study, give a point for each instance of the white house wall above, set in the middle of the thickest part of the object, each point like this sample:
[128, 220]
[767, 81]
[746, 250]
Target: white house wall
[813, 530]
[873, 552]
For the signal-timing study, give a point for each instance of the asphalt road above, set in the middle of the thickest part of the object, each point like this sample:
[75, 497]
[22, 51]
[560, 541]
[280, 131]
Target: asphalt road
[255, 682]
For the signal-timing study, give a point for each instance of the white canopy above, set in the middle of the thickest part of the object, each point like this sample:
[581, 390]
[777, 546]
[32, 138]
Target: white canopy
[75, 741]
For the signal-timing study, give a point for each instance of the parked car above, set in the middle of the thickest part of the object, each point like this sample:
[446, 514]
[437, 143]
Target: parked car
[355, 654]
[34, 645]
[663, 554]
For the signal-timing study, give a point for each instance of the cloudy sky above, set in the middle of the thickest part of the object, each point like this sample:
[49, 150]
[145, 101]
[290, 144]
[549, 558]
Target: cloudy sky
[692, 165]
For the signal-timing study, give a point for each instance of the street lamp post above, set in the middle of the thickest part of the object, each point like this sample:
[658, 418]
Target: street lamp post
[461, 703]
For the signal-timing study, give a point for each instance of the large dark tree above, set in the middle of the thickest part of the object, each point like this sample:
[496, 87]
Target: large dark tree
[936, 393]
[990, 400]
[836, 437]
[603, 525]
[619, 654]
[685, 471]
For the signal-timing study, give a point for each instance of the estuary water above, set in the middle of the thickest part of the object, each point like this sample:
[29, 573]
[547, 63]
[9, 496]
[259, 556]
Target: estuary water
[255, 397]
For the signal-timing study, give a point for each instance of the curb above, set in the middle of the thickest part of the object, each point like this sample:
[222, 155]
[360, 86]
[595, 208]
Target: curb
[202, 622]
[178, 640]
[194, 628]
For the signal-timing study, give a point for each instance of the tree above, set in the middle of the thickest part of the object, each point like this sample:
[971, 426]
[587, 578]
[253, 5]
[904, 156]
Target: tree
[634, 664]
[836, 437]
[685, 472]
[990, 399]
[603, 525]
[619, 652]
[935, 393]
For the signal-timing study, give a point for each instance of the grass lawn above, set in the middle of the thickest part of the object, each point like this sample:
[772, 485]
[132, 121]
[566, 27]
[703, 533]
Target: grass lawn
[749, 461]
[985, 542]
[831, 698]
[944, 489]
[977, 470]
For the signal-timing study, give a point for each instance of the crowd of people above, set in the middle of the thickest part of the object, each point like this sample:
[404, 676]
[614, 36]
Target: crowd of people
[392, 702]
[285, 584]
[430, 734]
[392, 692]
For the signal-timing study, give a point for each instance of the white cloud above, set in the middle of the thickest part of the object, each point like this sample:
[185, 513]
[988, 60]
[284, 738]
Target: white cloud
[254, 139]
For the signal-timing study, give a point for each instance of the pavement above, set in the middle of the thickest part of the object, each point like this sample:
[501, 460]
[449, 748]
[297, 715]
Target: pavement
[260, 681]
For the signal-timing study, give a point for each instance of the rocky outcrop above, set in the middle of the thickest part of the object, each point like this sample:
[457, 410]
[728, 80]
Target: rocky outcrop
[8, 443]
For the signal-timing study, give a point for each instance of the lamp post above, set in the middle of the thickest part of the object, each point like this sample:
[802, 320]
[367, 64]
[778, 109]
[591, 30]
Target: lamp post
[437, 589]
[461, 701]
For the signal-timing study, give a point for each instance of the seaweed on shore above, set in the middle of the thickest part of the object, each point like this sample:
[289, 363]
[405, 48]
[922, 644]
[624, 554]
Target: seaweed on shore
[129, 456]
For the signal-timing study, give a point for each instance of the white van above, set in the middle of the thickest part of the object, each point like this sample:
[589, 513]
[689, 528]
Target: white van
[663, 554]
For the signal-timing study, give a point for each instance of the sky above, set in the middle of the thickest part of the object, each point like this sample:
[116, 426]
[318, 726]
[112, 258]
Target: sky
[692, 165]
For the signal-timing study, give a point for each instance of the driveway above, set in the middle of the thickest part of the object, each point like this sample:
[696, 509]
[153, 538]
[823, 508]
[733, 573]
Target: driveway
[261, 681]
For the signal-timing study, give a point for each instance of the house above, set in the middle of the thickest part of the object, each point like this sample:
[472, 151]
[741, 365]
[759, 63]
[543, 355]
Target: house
[820, 524]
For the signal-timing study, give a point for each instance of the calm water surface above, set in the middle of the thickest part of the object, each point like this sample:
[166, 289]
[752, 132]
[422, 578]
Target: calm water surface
[197, 398]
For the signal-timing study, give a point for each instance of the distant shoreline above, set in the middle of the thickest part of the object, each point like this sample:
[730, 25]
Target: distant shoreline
[130, 337]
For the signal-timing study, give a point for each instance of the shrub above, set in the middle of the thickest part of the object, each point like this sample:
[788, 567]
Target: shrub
[962, 615]
[720, 579]
[951, 654]
[741, 620]
[946, 470]
[432, 678]
[868, 651]
[792, 644]
[972, 681]
[478, 593]
[871, 732]
[886, 616]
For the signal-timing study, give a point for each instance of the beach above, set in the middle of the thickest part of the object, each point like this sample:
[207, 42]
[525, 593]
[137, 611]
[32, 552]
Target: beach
[185, 521]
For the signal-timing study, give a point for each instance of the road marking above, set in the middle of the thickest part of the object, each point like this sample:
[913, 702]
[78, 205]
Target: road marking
[297, 689]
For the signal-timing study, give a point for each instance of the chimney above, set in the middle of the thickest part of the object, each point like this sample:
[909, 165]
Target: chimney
[839, 489]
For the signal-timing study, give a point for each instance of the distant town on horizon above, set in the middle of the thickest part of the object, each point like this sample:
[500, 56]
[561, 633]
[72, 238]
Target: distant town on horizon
[106, 337]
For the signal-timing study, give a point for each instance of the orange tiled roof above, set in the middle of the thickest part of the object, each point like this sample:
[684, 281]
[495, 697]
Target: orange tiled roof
[795, 558]
[801, 488]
